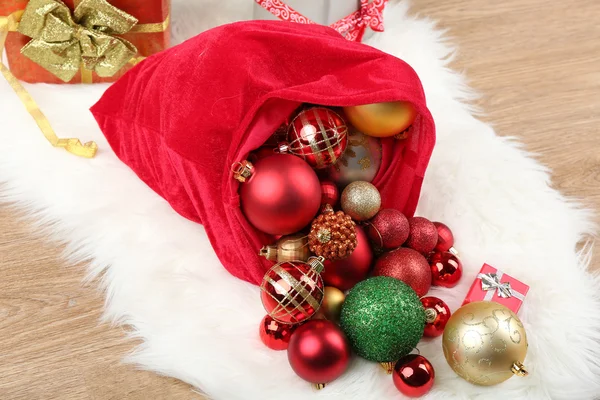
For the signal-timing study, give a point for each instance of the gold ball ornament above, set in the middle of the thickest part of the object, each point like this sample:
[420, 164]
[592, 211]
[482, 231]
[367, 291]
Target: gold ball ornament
[361, 200]
[381, 119]
[485, 343]
[333, 299]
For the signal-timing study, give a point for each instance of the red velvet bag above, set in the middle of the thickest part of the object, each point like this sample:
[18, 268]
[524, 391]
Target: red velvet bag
[183, 117]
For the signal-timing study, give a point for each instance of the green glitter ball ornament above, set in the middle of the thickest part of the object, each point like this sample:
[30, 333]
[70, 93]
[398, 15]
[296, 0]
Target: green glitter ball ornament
[383, 319]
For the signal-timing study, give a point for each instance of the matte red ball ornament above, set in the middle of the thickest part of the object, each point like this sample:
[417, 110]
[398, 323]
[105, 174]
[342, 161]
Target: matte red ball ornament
[446, 269]
[319, 352]
[329, 193]
[422, 235]
[344, 274]
[388, 229]
[413, 375]
[318, 135]
[275, 335]
[445, 237]
[280, 194]
[437, 314]
[292, 292]
[406, 265]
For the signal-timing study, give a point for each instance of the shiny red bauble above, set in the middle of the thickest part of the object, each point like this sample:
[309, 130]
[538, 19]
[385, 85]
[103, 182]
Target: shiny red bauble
[406, 265]
[282, 195]
[329, 193]
[344, 274]
[413, 375]
[437, 314]
[318, 351]
[388, 229]
[318, 135]
[446, 269]
[445, 239]
[422, 236]
[275, 335]
[292, 292]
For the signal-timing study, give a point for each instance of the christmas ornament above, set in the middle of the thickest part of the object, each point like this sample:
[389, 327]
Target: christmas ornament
[332, 303]
[318, 135]
[485, 343]
[332, 235]
[319, 352]
[422, 235]
[437, 314]
[280, 194]
[381, 119]
[406, 265]
[446, 269]
[360, 161]
[413, 375]
[292, 292]
[345, 273]
[275, 335]
[361, 200]
[329, 193]
[445, 240]
[382, 318]
[288, 248]
[388, 229]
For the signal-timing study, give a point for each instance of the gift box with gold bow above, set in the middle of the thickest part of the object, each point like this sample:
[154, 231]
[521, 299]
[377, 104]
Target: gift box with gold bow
[491, 284]
[81, 41]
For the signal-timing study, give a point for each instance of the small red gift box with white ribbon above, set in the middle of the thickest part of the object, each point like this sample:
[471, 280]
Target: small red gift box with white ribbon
[491, 284]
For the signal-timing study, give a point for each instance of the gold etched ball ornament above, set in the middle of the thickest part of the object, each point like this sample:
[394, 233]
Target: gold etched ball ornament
[485, 343]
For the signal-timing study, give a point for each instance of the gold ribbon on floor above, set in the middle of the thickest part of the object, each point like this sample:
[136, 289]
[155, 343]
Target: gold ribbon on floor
[64, 44]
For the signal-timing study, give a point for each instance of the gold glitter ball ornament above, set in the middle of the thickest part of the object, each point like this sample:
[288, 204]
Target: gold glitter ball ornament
[332, 235]
[485, 343]
[361, 200]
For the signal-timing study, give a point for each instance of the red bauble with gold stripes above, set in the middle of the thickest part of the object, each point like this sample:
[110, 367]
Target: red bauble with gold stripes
[292, 292]
[318, 135]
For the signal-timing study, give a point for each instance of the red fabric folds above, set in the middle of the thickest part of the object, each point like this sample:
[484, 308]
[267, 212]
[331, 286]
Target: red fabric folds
[181, 118]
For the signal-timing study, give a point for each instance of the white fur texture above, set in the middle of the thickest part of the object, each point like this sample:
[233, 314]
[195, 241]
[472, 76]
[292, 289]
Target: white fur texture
[199, 324]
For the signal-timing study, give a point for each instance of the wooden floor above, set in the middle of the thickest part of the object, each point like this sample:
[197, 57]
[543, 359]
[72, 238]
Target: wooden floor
[537, 64]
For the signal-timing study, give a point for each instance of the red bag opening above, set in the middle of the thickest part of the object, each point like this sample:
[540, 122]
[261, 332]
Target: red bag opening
[183, 117]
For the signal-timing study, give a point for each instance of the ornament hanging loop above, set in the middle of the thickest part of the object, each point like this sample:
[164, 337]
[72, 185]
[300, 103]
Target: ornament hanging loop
[519, 369]
[242, 171]
[388, 366]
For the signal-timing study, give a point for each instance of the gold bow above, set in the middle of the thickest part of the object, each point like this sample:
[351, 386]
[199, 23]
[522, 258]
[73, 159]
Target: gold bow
[61, 42]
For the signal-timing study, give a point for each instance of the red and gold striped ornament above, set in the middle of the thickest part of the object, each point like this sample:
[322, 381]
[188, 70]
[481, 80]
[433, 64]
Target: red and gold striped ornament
[292, 292]
[318, 135]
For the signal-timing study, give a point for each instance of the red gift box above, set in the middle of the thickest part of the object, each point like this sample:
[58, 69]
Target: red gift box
[149, 36]
[491, 284]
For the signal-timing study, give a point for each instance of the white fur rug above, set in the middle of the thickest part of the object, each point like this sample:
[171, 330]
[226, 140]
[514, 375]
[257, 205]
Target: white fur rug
[200, 325]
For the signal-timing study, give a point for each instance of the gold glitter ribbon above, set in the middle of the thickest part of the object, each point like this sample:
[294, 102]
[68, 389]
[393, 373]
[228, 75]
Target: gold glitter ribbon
[64, 44]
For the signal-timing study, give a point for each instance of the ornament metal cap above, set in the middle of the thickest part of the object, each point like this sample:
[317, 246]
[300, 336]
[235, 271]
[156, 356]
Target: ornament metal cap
[319, 386]
[242, 171]
[269, 252]
[316, 264]
[430, 315]
[453, 251]
[388, 366]
[519, 369]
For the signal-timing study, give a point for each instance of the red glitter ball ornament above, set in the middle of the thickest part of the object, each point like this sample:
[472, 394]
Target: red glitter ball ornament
[292, 292]
[344, 274]
[275, 335]
[413, 375]
[319, 352]
[318, 135]
[406, 265]
[437, 314]
[388, 229]
[445, 237]
[446, 269]
[422, 235]
[329, 193]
